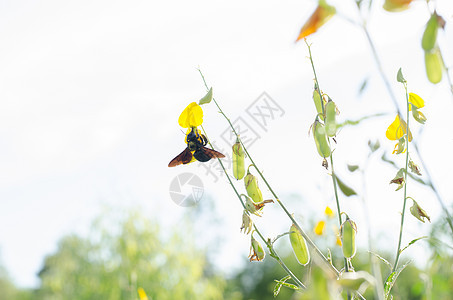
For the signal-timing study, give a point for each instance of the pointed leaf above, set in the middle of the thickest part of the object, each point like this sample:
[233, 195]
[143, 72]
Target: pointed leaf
[413, 241]
[207, 98]
[400, 77]
[346, 190]
[352, 168]
[392, 279]
[382, 259]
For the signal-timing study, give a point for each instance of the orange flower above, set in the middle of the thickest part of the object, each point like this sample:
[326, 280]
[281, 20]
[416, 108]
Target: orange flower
[321, 15]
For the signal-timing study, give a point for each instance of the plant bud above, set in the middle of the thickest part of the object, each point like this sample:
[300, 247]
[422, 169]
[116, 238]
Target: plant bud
[255, 207]
[433, 66]
[331, 113]
[348, 231]
[418, 115]
[247, 223]
[419, 212]
[238, 160]
[251, 185]
[256, 250]
[414, 167]
[318, 102]
[396, 5]
[322, 144]
[430, 34]
[299, 246]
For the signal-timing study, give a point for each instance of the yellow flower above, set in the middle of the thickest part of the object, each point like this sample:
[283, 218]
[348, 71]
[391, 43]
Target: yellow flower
[415, 100]
[397, 129]
[338, 241]
[321, 15]
[319, 228]
[192, 116]
[142, 294]
[329, 212]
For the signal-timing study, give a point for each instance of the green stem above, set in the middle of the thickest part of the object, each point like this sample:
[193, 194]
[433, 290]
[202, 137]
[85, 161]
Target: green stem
[395, 102]
[324, 260]
[302, 232]
[398, 251]
[269, 245]
[316, 77]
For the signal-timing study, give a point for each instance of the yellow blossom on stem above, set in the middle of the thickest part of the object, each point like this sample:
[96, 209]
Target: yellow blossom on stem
[319, 228]
[416, 100]
[397, 130]
[142, 294]
[329, 212]
[192, 116]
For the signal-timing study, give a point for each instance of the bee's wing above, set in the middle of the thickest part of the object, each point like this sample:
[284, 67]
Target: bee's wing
[183, 158]
[204, 154]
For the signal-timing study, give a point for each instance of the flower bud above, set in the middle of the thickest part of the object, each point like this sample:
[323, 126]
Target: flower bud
[319, 102]
[322, 144]
[251, 185]
[299, 246]
[255, 207]
[247, 223]
[433, 65]
[256, 250]
[419, 212]
[238, 160]
[430, 33]
[331, 113]
[319, 227]
[396, 5]
[348, 232]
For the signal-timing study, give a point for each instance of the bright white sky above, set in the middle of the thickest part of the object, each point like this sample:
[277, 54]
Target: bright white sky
[90, 93]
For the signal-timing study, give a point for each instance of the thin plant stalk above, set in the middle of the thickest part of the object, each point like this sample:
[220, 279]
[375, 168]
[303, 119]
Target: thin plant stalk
[398, 251]
[268, 243]
[395, 103]
[324, 260]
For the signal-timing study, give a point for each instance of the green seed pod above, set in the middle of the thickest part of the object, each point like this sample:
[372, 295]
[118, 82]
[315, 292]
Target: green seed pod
[348, 231]
[430, 34]
[331, 113]
[322, 144]
[238, 161]
[251, 185]
[299, 246]
[433, 65]
[318, 103]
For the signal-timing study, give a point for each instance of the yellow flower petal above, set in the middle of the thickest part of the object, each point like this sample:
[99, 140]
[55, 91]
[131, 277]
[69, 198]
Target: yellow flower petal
[321, 15]
[319, 228]
[416, 100]
[329, 212]
[192, 116]
[338, 241]
[142, 294]
[397, 129]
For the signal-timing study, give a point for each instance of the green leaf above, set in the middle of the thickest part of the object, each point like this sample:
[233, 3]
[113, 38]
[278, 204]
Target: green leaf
[400, 77]
[282, 282]
[346, 190]
[352, 168]
[413, 241]
[382, 259]
[392, 279]
[363, 86]
[207, 98]
[356, 122]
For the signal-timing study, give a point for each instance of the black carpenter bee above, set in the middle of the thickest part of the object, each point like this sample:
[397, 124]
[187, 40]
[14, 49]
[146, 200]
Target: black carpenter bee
[196, 143]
